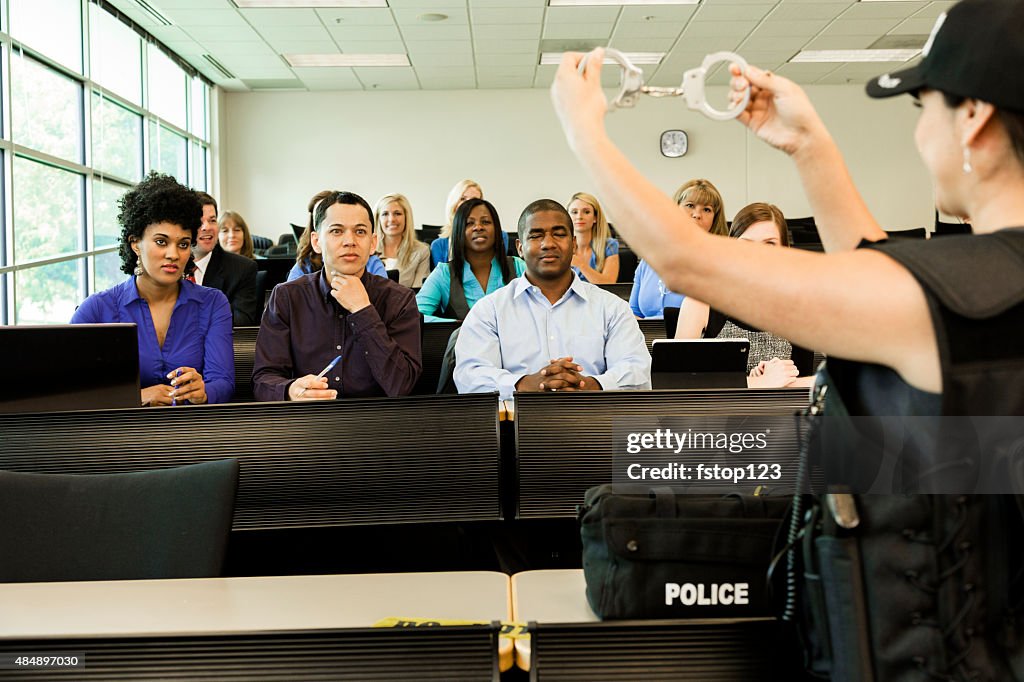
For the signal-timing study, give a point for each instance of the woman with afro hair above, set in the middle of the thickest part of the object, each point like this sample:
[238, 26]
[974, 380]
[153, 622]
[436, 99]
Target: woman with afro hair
[185, 347]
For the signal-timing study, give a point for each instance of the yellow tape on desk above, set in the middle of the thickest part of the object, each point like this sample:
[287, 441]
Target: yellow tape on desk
[509, 630]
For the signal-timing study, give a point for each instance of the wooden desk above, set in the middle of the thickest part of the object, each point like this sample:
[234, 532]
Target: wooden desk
[245, 605]
[554, 596]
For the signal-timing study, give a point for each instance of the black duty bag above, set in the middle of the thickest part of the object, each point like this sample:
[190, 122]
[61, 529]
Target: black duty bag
[664, 555]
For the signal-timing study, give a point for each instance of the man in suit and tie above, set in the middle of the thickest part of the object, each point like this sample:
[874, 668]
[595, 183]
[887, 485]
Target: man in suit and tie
[233, 274]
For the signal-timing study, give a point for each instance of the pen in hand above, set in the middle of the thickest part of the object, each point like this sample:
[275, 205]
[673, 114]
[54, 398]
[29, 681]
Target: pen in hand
[324, 371]
[174, 400]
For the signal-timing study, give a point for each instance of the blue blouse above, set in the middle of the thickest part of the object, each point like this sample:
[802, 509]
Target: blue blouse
[433, 296]
[199, 334]
[439, 249]
[649, 297]
[611, 248]
[374, 266]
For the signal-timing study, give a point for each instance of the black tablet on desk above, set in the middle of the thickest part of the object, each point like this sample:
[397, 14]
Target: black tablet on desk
[55, 368]
[699, 363]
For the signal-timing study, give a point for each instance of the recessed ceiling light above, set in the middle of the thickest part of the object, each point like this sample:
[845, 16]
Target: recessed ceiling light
[570, 3]
[555, 58]
[854, 56]
[347, 59]
[310, 3]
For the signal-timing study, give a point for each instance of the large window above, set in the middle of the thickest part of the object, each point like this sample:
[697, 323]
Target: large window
[89, 116]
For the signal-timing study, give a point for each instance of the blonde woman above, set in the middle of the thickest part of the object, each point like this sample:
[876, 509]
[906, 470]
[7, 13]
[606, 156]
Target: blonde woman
[233, 234]
[397, 245]
[597, 253]
[440, 248]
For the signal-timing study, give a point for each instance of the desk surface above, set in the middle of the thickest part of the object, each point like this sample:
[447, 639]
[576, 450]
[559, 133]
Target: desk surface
[555, 596]
[211, 605]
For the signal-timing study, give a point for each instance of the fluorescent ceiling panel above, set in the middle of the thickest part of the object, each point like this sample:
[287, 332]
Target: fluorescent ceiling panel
[555, 58]
[854, 55]
[347, 59]
[310, 3]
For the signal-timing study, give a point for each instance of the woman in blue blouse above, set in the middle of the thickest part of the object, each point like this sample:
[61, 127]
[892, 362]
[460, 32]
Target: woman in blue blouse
[479, 258]
[597, 253]
[185, 347]
[703, 202]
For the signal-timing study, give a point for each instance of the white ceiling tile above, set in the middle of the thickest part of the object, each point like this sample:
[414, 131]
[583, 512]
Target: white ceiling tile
[805, 73]
[333, 86]
[788, 11]
[657, 12]
[435, 32]
[729, 29]
[914, 27]
[448, 84]
[760, 43]
[403, 4]
[310, 33]
[184, 4]
[641, 44]
[859, 27]
[706, 45]
[454, 72]
[440, 47]
[508, 3]
[506, 15]
[336, 73]
[768, 59]
[511, 32]
[261, 72]
[841, 42]
[372, 46]
[519, 83]
[303, 46]
[581, 15]
[442, 60]
[341, 33]
[578, 31]
[293, 16]
[232, 34]
[720, 12]
[244, 48]
[650, 30]
[485, 46]
[387, 77]
[411, 16]
[507, 59]
[883, 10]
[791, 27]
[208, 17]
[493, 72]
[239, 63]
[186, 48]
[357, 16]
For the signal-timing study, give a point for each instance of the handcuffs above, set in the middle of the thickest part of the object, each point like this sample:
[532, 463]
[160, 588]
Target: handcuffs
[692, 87]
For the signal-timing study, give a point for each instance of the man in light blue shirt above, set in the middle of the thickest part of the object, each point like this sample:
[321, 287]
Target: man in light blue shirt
[548, 330]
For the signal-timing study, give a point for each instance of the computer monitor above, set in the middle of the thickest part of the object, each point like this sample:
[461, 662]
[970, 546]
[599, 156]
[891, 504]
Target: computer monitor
[56, 368]
[699, 363]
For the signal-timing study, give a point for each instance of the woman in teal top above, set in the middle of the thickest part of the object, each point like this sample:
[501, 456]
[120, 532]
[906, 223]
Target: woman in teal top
[478, 255]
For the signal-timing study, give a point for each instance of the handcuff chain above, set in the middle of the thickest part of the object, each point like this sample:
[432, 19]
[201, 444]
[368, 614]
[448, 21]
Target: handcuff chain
[655, 91]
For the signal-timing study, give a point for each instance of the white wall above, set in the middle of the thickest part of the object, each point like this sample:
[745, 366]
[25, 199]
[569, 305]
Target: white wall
[278, 149]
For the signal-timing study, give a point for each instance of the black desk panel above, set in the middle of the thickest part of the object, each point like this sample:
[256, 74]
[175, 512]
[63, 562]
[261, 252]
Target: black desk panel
[564, 440]
[418, 459]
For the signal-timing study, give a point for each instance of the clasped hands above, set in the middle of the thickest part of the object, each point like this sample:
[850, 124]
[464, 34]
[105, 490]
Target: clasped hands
[774, 373]
[562, 374]
[186, 384]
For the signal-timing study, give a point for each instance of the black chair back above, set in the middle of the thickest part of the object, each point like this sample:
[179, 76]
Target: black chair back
[627, 264]
[168, 523]
[433, 342]
[620, 289]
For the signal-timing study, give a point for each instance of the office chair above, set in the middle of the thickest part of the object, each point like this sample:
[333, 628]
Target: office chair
[168, 523]
[261, 243]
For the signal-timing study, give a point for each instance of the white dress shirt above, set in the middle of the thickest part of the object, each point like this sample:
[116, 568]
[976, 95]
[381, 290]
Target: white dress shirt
[516, 331]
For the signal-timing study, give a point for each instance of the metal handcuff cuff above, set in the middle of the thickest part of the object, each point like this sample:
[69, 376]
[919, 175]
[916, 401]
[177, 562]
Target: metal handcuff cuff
[692, 87]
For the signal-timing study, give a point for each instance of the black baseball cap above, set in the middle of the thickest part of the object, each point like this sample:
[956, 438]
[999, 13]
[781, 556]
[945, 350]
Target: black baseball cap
[975, 50]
